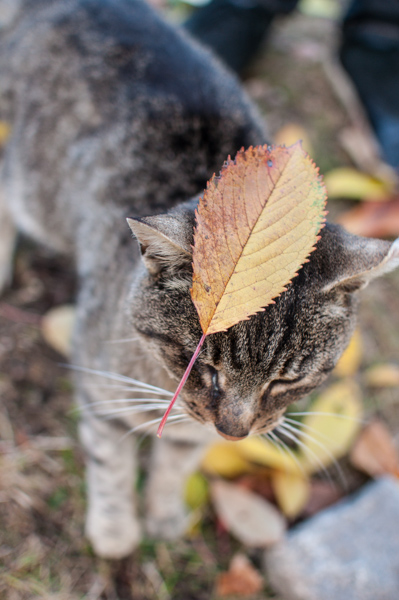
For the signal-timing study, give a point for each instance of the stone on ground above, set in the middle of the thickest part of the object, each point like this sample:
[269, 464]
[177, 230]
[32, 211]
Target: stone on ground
[347, 552]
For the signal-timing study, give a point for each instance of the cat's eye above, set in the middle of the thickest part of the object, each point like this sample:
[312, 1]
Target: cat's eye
[215, 384]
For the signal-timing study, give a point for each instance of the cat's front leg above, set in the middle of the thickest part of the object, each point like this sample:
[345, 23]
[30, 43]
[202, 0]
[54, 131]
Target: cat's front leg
[7, 243]
[172, 463]
[111, 522]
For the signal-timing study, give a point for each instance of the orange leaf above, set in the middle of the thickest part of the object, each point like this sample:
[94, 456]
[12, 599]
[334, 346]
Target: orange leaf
[242, 579]
[375, 452]
[373, 219]
[256, 225]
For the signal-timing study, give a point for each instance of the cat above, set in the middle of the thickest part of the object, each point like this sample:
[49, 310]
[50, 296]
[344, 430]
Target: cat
[116, 114]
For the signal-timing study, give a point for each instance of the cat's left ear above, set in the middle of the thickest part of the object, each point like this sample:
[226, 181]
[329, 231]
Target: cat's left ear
[165, 242]
[362, 260]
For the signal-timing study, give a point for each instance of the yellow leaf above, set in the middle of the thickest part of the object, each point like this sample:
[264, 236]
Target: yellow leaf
[5, 131]
[256, 224]
[290, 134]
[196, 492]
[263, 452]
[346, 182]
[57, 326]
[351, 359]
[384, 376]
[291, 491]
[332, 423]
[225, 460]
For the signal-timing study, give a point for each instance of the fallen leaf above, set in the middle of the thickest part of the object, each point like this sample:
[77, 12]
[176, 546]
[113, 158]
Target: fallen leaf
[5, 131]
[373, 219]
[258, 482]
[263, 452]
[374, 451]
[242, 579]
[384, 376]
[290, 134]
[224, 459]
[291, 491]
[328, 9]
[256, 225]
[346, 182]
[57, 325]
[331, 425]
[250, 518]
[196, 491]
[351, 359]
[322, 494]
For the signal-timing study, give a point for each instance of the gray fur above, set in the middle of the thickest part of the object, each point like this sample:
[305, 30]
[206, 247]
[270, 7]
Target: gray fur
[115, 114]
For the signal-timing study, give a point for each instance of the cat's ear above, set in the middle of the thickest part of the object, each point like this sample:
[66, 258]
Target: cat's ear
[358, 260]
[165, 242]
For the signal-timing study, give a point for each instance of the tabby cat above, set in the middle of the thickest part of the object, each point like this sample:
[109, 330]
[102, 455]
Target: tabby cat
[116, 114]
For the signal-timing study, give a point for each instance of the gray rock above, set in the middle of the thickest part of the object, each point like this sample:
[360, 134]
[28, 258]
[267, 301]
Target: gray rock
[347, 552]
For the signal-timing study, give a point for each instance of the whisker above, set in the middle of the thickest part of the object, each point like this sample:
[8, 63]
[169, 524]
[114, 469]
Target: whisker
[296, 423]
[122, 388]
[116, 377]
[123, 341]
[275, 444]
[320, 445]
[326, 414]
[131, 409]
[288, 449]
[317, 460]
[173, 418]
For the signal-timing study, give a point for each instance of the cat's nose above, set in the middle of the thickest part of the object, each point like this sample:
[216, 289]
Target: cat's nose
[231, 438]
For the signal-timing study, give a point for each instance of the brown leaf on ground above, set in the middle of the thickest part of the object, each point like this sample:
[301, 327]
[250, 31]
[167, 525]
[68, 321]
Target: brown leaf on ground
[242, 579]
[373, 219]
[250, 518]
[374, 452]
[322, 494]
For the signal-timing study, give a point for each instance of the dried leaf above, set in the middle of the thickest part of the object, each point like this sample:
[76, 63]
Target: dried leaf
[322, 495]
[256, 224]
[262, 452]
[250, 518]
[242, 579]
[57, 326]
[346, 182]
[375, 452]
[224, 459]
[332, 424]
[351, 359]
[373, 219]
[291, 491]
[384, 376]
[290, 134]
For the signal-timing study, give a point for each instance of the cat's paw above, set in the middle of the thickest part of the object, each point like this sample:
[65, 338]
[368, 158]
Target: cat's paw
[112, 536]
[167, 527]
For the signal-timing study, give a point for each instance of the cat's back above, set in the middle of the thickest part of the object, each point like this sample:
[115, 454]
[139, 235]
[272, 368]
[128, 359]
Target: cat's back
[107, 102]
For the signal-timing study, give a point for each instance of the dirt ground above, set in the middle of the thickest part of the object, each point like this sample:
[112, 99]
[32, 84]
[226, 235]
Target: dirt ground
[43, 552]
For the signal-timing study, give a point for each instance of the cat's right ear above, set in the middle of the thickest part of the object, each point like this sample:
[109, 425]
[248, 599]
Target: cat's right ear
[354, 261]
[165, 243]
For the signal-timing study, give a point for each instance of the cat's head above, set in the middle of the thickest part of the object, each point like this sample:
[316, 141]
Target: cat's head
[245, 377]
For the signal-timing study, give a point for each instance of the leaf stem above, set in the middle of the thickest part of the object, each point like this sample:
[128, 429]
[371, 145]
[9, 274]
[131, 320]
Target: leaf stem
[181, 384]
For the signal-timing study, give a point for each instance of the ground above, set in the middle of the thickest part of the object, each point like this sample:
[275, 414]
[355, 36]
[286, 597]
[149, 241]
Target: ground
[43, 553]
